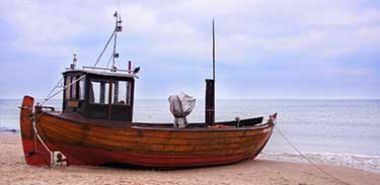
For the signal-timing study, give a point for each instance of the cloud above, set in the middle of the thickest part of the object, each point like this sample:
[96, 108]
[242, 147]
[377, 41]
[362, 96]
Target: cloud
[326, 44]
[165, 37]
[182, 28]
[164, 34]
[47, 28]
[359, 72]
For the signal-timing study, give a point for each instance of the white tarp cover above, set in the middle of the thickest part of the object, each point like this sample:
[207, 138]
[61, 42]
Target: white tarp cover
[181, 105]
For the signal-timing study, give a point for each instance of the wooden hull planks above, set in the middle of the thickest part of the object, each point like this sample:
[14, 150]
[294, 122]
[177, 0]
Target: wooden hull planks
[93, 144]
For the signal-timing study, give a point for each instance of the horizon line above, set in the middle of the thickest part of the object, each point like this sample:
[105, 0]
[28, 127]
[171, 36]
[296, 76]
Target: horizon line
[235, 98]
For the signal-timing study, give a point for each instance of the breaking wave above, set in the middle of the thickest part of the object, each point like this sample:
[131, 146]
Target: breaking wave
[364, 162]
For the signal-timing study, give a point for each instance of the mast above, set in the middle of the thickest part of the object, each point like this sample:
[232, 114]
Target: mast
[210, 86]
[118, 28]
[115, 55]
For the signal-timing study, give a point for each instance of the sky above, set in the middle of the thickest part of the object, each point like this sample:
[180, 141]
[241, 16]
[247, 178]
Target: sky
[265, 49]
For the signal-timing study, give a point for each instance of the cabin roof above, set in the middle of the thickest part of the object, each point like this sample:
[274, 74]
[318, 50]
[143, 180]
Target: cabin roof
[118, 73]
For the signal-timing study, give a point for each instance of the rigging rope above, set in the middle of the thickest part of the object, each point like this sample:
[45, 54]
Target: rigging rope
[109, 61]
[309, 161]
[65, 87]
[113, 35]
[55, 87]
[105, 47]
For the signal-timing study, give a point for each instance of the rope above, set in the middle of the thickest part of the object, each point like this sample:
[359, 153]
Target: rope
[113, 35]
[55, 87]
[96, 63]
[42, 142]
[109, 61]
[309, 161]
[65, 87]
[104, 49]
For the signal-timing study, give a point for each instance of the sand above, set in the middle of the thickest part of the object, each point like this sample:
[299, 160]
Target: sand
[13, 170]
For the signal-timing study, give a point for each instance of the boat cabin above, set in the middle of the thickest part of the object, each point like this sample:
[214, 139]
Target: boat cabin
[99, 94]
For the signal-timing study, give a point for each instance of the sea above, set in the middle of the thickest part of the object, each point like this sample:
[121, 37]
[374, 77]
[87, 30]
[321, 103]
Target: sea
[338, 132]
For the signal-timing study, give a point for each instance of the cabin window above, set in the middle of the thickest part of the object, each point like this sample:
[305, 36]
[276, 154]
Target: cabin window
[95, 92]
[106, 92]
[81, 89]
[73, 88]
[102, 92]
[99, 92]
[71, 91]
[68, 87]
[121, 90]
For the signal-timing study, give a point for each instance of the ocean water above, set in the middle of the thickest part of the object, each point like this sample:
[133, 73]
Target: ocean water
[341, 132]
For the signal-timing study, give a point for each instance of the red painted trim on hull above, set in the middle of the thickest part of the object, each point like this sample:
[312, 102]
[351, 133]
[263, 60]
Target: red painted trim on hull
[34, 152]
[39, 156]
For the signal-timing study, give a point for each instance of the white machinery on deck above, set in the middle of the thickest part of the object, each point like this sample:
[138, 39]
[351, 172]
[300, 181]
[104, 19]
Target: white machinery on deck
[181, 106]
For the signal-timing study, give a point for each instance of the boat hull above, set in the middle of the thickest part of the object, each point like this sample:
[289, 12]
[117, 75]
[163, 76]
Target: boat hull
[84, 142]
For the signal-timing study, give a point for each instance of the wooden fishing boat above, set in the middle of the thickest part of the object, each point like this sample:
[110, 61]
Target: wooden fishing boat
[95, 127]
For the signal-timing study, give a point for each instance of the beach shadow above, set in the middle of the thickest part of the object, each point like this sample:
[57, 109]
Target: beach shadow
[8, 130]
[124, 166]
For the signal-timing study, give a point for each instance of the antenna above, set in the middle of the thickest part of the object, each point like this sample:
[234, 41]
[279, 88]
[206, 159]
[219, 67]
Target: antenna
[213, 49]
[72, 66]
[118, 5]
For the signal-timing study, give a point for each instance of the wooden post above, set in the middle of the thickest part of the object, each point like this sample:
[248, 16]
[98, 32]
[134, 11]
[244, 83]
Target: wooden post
[210, 86]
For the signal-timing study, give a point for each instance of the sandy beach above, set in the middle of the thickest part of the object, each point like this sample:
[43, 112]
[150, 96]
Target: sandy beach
[13, 170]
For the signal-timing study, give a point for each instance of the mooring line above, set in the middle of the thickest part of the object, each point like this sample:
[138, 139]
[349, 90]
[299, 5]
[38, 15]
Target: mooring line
[309, 161]
[37, 136]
